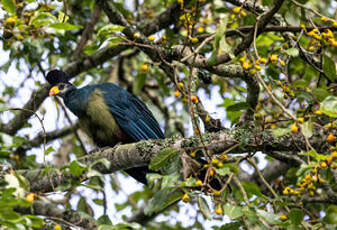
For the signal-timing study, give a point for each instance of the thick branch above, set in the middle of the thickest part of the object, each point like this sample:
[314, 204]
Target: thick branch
[140, 153]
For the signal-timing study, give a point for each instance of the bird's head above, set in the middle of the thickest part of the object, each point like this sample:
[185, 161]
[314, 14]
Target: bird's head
[60, 83]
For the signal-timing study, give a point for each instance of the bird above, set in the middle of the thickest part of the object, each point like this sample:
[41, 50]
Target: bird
[108, 113]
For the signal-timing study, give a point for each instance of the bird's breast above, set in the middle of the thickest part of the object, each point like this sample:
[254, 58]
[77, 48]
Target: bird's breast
[100, 124]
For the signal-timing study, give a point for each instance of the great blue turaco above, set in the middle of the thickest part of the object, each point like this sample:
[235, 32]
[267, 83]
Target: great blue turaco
[108, 114]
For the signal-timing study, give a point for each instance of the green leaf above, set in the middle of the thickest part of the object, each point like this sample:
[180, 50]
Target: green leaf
[238, 106]
[139, 83]
[161, 157]
[222, 171]
[76, 168]
[170, 180]
[329, 68]
[108, 31]
[3, 108]
[331, 215]
[296, 216]
[161, 200]
[65, 26]
[231, 226]
[315, 155]
[271, 218]
[49, 150]
[232, 211]
[329, 106]
[320, 93]
[104, 220]
[279, 132]
[307, 129]
[292, 52]
[219, 33]
[252, 188]
[204, 208]
[9, 6]
[62, 17]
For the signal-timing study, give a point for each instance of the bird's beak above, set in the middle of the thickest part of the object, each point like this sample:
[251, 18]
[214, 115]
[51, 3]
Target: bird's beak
[54, 91]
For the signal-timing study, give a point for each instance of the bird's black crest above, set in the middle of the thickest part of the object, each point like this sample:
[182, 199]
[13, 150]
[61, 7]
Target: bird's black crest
[56, 76]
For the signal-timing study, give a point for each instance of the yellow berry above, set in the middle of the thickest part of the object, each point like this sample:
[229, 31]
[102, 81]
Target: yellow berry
[330, 159]
[252, 71]
[151, 14]
[217, 193]
[220, 164]
[181, 85]
[286, 191]
[57, 227]
[323, 165]
[311, 48]
[331, 137]
[318, 112]
[311, 193]
[144, 67]
[272, 126]
[219, 210]
[193, 154]
[177, 93]
[243, 13]
[261, 60]
[215, 161]
[194, 99]
[237, 10]
[300, 120]
[321, 180]
[30, 197]
[207, 119]
[211, 172]
[193, 39]
[283, 217]
[333, 166]
[186, 198]
[151, 38]
[246, 65]
[200, 29]
[273, 58]
[282, 63]
[199, 182]
[294, 128]
[258, 67]
[11, 20]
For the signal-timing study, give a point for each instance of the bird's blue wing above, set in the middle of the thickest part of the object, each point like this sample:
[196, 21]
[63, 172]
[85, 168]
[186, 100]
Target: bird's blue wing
[131, 114]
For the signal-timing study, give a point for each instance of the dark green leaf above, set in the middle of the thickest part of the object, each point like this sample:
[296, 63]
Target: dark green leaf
[161, 200]
[76, 168]
[329, 68]
[161, 157]
[204, 208]
[296, 216]
[104, 220]
[320, 93]
[238, 106]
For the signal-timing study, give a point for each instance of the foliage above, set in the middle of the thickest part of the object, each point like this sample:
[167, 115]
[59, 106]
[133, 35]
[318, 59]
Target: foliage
[268, 66]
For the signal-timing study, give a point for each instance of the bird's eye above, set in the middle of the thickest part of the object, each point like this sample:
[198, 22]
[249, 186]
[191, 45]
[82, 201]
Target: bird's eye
[61, 87]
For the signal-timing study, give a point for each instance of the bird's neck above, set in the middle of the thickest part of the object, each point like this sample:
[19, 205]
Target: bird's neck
[69, 92]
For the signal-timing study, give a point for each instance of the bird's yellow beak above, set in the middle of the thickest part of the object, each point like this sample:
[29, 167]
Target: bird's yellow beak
[54, 91]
